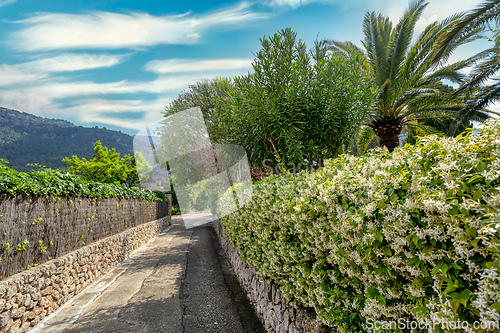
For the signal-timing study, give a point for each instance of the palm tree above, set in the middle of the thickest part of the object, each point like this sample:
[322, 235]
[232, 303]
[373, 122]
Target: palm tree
[479, 94]
[408, 77]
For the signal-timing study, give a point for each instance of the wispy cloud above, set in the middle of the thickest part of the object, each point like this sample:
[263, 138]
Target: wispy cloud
[40, 69]
[69, 62]
[7, 2]
[288, 3]
[90, 101]
[13, 75]
[106, 30]
[196, 65]
[105, 111]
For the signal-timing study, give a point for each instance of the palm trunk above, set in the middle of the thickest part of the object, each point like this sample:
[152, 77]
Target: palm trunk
[390, 141]
[388, 135]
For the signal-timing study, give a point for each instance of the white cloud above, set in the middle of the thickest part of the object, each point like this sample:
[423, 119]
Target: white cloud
[105, 30]
[424, 22]
[444, 8]
[298, 3]
[58, 90]
[69, 62]
[26, 101]
[194, 65]
[345, 5]
[7, 2]
[12, 75]
[89, 98]
[36, 70]
[102, 111]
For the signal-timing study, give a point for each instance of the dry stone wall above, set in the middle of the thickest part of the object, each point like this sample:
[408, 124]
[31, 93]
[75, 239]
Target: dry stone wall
[273, 309]
[27, 297]
[35, 230]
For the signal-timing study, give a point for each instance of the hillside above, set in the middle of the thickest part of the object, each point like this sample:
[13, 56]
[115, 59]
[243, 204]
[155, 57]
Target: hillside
[26, 138]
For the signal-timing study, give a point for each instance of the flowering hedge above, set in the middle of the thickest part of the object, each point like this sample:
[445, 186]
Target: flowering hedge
[412, 235]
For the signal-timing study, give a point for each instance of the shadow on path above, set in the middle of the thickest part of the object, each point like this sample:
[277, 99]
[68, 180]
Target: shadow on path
[182, 283]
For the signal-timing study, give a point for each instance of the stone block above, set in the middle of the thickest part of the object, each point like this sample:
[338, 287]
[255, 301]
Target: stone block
[24, 326]
[47, 291]
[18, 313]
[4, 319]
[3, 289]
[13, 325]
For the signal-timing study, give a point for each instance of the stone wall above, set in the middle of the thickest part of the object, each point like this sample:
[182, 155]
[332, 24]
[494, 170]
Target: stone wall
[27, 297]
[35, 230]
[273, 309]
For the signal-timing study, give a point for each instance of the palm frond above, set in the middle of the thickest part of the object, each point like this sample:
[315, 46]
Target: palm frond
[486, 12]
[424, 129]
[365, 136]
[485, 70]
[401, 37]
[377, 30]
[484, 96]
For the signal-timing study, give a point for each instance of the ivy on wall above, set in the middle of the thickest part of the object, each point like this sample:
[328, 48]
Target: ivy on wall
[56, 183]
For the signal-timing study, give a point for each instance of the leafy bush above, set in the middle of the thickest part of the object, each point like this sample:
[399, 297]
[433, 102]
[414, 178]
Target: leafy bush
[412, 234]
[298, 104]
[106, 166]
[48, 182]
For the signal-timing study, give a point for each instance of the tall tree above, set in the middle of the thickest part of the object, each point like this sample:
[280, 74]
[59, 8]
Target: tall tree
[408, 77]
[299, 105]
[211, 96]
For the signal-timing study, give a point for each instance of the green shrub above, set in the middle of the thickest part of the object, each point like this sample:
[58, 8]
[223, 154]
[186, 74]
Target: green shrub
[409, 235]
[56, 183]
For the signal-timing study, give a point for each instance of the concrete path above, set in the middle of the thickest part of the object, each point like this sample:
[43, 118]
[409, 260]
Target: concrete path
[178, 283]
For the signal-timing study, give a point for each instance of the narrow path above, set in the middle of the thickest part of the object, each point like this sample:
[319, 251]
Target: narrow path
[177, 285]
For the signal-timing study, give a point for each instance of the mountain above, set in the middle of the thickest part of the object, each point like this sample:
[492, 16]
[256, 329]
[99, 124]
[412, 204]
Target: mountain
[26, 138]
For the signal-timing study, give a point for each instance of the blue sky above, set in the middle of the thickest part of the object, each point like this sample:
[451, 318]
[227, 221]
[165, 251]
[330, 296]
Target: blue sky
[117, 64]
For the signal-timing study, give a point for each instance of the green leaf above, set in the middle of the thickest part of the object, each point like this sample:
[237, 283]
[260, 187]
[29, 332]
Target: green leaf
[450, 287]
[492, 265]
[372, 292]
[421, 309]
[454, 210]
[495, 306]
[475, 179]
[471, 232]
[478, 194]
[466, 294]
[454, 305]
[481, 166]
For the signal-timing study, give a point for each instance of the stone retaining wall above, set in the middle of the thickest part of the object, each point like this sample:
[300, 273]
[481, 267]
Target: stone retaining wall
[27, 297]
[273, 309]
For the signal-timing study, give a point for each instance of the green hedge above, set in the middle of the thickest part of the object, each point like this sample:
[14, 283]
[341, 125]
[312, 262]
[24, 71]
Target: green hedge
[55, 183]
[407, 236]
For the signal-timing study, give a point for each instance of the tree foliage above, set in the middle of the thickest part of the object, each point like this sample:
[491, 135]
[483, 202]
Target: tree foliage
[211, 96]
[106, 166]
[298, 105]
[478, 89]
[410, 77]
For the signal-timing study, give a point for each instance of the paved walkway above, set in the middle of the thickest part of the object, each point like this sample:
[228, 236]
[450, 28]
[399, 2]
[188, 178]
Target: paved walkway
[177, 283]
